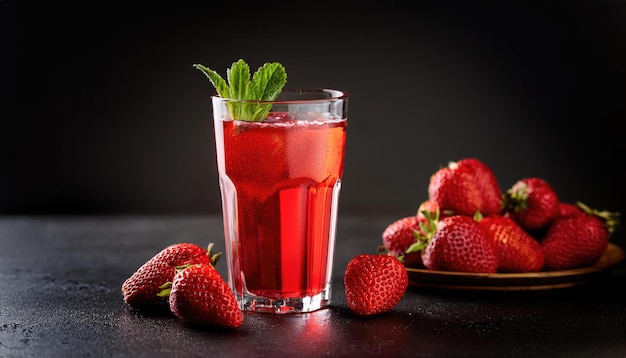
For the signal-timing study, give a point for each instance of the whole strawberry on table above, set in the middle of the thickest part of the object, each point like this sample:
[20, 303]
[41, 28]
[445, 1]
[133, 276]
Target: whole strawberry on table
[468, 224]
[374, 283]
[182, 279]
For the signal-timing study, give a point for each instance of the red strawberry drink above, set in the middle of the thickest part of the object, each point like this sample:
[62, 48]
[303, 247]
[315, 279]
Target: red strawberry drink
[280, 181]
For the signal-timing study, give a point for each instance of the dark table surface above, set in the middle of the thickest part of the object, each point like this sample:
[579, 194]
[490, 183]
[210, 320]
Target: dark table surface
[60, 297]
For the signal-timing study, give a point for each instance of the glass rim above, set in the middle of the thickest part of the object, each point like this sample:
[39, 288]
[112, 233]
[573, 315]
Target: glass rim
[335, 95]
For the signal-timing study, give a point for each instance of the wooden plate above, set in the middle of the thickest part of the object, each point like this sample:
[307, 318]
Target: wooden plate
[545, 280]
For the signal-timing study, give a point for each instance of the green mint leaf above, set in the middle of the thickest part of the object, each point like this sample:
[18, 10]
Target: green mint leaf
[265, 85]
[218, 82]
[238, 79]
[268, 81]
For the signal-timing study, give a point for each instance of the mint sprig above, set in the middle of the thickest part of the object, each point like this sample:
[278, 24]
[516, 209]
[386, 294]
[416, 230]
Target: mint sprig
[264, 85]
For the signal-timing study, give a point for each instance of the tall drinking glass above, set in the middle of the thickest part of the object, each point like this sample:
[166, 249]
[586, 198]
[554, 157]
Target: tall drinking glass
[280, 180]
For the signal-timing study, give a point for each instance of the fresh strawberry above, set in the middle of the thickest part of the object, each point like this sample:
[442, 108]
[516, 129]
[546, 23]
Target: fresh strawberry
[399, 235]
[517, 251]
[141, 288]
[464, 188]
[532, 203]
[460, 244]
[574, 242]
[487, 183]
[454, 190]
[580, 240]
[200, 295]
[374, 283]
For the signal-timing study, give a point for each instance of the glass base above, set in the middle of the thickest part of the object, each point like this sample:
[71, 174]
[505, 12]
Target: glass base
[252, 303]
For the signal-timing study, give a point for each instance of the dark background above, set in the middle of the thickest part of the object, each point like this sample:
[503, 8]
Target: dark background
[101, 111]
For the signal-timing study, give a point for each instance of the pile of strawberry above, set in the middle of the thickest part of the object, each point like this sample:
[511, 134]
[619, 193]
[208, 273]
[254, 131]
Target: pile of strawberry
[467, 224]
[182, 279]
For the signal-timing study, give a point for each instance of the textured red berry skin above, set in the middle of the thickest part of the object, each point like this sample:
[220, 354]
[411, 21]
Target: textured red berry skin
[487, 183]
[574, 242]
[454, 191]
[464, 188]
[200, 295]
[517, 250]
[461, 244]
[532, 203]
[399, 235]
[374, 284]
[567, 210]
[141, 288]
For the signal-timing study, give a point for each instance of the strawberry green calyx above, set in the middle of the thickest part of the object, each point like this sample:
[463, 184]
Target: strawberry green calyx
[515, 199]
[166, 288]
[424, 234]
[264, 85]
[611, 219]
[213, 258]
[430, 225]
